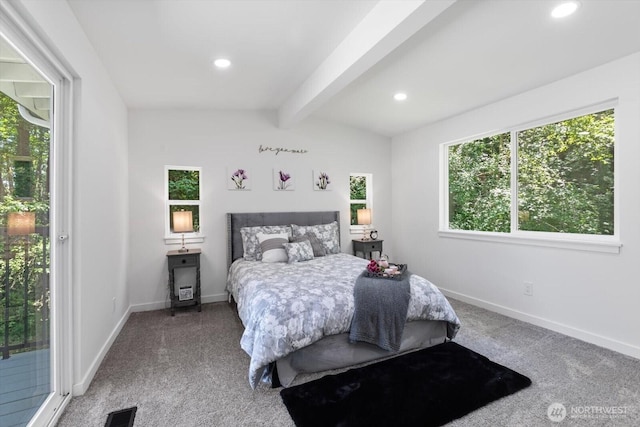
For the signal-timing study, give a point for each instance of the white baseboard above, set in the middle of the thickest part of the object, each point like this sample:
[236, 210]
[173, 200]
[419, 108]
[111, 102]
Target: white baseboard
[149, 306]
[81, 387]
[160, 305]
[599, 340]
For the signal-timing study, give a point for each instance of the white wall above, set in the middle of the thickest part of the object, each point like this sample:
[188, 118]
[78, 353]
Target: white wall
[100, 185]
[215, 140]
[592, 296]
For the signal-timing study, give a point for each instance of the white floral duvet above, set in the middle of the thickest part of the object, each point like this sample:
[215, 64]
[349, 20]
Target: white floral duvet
[285, 307]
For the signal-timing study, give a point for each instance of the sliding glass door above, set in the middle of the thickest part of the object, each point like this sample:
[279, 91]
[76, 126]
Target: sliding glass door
[33, 383]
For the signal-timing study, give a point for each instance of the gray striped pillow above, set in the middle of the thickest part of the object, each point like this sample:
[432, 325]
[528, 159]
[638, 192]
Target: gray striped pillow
[272, 247]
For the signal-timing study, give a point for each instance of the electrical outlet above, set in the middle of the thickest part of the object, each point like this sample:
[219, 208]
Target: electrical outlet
[114, 304]
[528, 288]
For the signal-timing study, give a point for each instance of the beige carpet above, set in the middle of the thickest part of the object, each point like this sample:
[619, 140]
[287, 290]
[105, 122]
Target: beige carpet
[189, 370]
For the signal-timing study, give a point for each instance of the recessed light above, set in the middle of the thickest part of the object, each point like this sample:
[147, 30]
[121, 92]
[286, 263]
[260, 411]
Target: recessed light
[565, 9]
[400, 96]
[222, 63]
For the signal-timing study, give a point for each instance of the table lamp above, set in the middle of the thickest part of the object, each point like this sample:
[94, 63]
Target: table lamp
[364, 218]
[182, 223]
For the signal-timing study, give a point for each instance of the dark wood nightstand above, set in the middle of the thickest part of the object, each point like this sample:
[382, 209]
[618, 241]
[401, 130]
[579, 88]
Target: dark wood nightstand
[367, 247]
[186, 295]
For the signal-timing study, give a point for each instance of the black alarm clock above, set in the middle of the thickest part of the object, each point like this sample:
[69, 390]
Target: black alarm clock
[373, 234]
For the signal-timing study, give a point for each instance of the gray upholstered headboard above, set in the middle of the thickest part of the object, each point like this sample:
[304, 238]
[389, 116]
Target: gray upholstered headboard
[235, 221]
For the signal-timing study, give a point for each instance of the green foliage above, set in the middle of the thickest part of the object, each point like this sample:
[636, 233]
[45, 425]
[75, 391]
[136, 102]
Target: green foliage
[358, 187]
[35, 186]
[566, 176]
[24, 187]
[358, 192]
[23, 178]
[479, 182]
[184, 185]
[565, 179]
[354, 212]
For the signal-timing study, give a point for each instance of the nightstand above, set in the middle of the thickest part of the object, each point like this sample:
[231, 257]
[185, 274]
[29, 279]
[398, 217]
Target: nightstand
[367, 247]
[188, 295]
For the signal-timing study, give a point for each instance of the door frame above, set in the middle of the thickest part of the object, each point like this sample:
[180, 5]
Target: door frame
[19, 31]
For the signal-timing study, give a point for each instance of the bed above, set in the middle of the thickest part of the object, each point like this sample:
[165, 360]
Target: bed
[297, 315]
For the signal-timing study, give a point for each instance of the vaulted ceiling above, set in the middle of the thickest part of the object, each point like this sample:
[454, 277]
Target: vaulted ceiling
[343, 60]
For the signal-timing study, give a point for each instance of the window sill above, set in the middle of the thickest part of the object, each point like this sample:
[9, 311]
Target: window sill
[611, 246]
[176, 239]
[359, 229]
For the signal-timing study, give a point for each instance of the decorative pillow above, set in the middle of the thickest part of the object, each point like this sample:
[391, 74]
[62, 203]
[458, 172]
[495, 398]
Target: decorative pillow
[298, 251]
[271, 246]
[250, 243]
[316, 245]
[326, 233]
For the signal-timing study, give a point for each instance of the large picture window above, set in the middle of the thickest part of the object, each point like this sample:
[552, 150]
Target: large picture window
[556, 177]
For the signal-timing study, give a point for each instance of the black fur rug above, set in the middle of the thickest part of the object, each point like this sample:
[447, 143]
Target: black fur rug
[429, 387]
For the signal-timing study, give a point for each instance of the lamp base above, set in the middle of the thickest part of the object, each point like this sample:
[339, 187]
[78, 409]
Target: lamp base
[183, 249]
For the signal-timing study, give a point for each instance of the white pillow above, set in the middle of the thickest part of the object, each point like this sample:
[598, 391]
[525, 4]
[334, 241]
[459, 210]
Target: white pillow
[271, 246]
[250, 243]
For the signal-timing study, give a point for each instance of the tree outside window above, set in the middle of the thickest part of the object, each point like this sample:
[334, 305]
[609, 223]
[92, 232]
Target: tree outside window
[564, 177]
[182, 193]
[360, 190]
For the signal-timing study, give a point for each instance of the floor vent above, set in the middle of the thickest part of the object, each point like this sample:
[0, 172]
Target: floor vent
[121, 418]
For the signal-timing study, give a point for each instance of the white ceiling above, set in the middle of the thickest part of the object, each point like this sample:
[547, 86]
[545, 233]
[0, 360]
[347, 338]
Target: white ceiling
[344, 59]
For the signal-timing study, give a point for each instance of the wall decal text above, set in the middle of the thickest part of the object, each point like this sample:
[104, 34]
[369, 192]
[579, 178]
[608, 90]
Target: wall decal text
[279, 150]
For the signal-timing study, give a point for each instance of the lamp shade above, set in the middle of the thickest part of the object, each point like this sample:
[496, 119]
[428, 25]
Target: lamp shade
[21, 223]
[182, 222]
[364, 216]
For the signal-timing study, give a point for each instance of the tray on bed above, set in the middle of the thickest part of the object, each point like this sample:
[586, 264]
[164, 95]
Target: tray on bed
[402, 270]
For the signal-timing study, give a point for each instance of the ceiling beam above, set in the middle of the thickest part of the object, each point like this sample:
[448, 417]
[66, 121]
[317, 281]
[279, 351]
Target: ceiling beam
[388, 25]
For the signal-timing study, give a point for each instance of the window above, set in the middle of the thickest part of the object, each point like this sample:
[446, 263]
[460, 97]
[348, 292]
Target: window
[360, 191]
[182, 192]
[479, 184]
[555, 178]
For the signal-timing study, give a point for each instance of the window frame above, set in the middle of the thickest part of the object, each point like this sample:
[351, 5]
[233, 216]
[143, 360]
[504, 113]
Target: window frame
[368, 202]
[21, 35]
[574, 241]
[171, 238]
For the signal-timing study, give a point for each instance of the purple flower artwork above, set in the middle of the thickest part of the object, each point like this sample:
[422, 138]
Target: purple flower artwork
[238, 179]
[321, 180]
[282, 180]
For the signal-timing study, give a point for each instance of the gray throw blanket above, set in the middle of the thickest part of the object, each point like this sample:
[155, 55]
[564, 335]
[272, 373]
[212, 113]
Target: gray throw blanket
[380, 311]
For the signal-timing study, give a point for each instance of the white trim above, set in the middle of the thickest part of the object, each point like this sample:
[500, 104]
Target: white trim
[187, 239]
[514, 218]
[19, 29]
[566, 115]
[578, 242]
[368, 202]
[615, 345]
[162, 305]
[595, 243]
[176, 238]
[81, 387]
